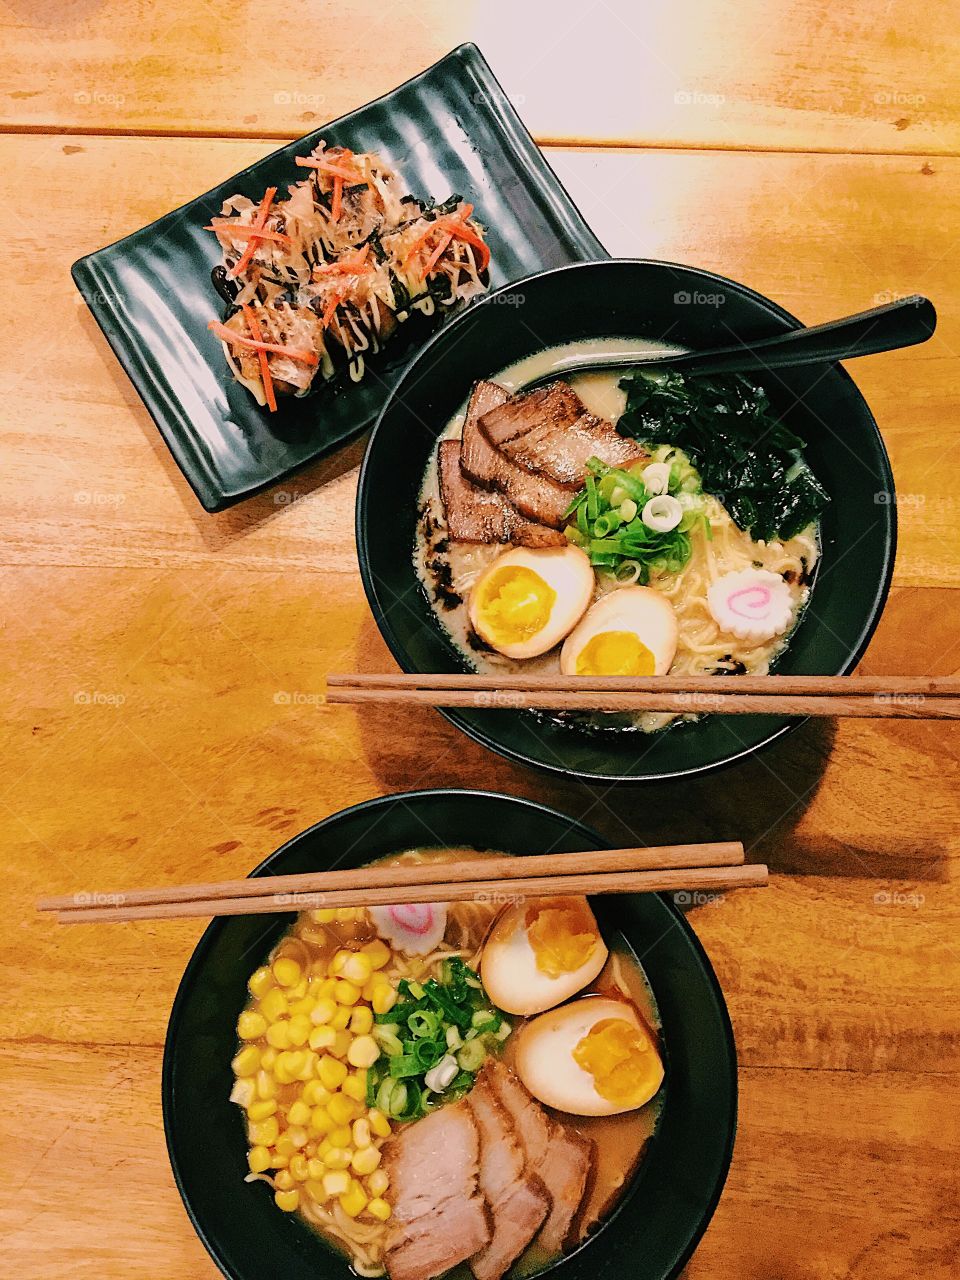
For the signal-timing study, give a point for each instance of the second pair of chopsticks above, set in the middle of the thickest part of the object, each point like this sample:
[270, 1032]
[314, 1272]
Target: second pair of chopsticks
[866, 697]
[709, 867]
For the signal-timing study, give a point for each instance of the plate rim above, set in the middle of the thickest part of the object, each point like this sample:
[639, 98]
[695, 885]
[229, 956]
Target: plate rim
[88, 275]
[454, 716]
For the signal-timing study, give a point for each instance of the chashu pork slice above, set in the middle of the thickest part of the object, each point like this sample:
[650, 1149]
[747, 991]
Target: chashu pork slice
[562, 1158]
[519, 1202]
[480, 515]
[555, 406]
[440, 1217]
[562, 453]
[538, 498]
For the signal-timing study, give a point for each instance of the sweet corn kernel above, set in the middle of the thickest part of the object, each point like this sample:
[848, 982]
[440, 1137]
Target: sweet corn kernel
[288, 1064]
[321, 1122]
[361, 1020]
[268, 1057]
[298, 1113]
[274, 1005]
[244, 1091]
[379, 1123]
[377, 952]
[327, 987]
[303, 1006]
[347, 993]
[323, 1010]
[323, 1148]
[384, 998]
[378, 1182]
[265, 1132]
[316, 1169]
[310, 1150]
[288, 1201]
[298, 1029]
[340, 1136]
[299, 1167]
[355, 1086]
[365, 1161]
[322, 1037]
[340, 1019]
[286, 971]
[361, 1133]
[258, 1158]
[266, 1085]
[324, 915]
[278, 1034]
[279, 1162]
[340, 958]
[315, 1094]
[251, 1025]
[336, 1182]
[342, 1108]
[345, 915]
[308, 1067]
[260, 1110]
[337, 1158]
[357, 968]
[363, 1052]
[379, 1209]
[284, 1180]
[300, 990]
[299, 1137]
[247, 1061]
[331, 1072]
[355, 1200]
[315, 1191]
[261, 980]
[341, 1043]
[285, 1145]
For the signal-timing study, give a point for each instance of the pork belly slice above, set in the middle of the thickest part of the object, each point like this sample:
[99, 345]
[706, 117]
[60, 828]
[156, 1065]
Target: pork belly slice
[537, 497]
[439, 1216]
[479, 515]
[555, 406]
[562, 454]
[518, 1200]
[562, 1158]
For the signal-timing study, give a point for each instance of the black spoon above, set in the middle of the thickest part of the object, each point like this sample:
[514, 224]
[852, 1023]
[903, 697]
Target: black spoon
[897, 324]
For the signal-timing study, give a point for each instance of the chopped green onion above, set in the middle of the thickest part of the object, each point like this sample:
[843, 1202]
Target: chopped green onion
[592, 507]
[472, 1056]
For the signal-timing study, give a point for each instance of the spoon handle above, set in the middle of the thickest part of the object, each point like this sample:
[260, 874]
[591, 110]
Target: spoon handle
[897, 324]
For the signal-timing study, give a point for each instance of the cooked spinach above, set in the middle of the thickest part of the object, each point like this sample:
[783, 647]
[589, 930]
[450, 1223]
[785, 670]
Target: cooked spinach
[747, 458]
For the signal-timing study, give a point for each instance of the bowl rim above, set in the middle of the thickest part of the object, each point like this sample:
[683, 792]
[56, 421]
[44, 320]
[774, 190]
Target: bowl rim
[454, 716]
[429, 796]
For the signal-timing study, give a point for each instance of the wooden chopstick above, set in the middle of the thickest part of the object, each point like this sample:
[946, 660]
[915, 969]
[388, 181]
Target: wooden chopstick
[846, 686]
[572, 697]
[498, 892]
[404, 875]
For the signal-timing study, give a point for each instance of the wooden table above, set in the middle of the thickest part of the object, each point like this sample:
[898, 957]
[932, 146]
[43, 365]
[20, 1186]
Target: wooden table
[804, 147]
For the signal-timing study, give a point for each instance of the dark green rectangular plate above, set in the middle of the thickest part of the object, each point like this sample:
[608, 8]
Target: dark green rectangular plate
[449, 129]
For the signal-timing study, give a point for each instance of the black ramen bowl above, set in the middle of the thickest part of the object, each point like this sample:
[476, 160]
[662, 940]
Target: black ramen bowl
[634, 299]
[670, 1199]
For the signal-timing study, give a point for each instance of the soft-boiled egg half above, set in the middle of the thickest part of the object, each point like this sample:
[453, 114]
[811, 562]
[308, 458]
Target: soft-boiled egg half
[540, 953]
[594, 1057]
[631, 631]
[528, 599]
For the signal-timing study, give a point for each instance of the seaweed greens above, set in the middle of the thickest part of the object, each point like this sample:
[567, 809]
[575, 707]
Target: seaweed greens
[747, 458]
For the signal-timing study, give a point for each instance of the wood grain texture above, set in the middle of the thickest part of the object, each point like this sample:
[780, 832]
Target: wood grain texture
[162, 667]
[797, 74]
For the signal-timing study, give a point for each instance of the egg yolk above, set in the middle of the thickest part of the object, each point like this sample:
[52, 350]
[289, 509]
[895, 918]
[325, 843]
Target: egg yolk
[615, 653]
[621, 1058]
[515, 604]
[562, 935]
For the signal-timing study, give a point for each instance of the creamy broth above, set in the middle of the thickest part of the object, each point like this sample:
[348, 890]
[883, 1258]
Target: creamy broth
[447, 570]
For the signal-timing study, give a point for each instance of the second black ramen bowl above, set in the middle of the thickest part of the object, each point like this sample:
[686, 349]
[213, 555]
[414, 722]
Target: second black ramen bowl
[634, 299]
[671, 1197]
